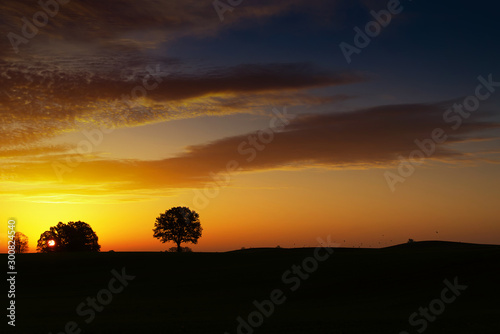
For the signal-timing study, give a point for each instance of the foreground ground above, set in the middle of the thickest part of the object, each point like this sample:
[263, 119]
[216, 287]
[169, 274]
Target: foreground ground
[353, 291]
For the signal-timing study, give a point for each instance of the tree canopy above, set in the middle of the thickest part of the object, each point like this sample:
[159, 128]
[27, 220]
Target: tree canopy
[71, 237]
[20, 243]
[179, 224]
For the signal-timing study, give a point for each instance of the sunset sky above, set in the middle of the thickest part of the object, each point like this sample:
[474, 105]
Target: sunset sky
[115, 111]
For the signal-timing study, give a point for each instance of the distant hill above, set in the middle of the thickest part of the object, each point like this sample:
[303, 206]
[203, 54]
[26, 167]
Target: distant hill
[437, 244]
[417, 245]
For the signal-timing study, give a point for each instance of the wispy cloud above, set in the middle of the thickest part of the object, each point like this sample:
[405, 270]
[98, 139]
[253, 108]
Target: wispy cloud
[129, 26]
[370, 138]
[42, 100]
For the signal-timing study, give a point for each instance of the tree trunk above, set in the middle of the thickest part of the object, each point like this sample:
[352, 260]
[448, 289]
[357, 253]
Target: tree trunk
[179, 248]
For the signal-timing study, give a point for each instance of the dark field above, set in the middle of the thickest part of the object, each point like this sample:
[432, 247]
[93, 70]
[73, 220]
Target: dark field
[353, 291]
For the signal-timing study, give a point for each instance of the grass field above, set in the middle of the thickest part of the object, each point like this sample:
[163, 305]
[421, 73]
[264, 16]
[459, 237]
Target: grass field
[353, 291]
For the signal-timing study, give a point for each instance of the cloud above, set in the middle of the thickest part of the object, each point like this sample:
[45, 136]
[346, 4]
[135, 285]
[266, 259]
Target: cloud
[81, 68]
[45, 99]
[131, 26]
[371, 138]
[33, 151]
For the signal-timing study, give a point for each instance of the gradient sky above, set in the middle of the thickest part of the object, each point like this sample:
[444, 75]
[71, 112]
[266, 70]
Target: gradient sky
[76, 144]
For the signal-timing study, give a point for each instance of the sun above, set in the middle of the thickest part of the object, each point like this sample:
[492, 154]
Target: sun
[51, 243]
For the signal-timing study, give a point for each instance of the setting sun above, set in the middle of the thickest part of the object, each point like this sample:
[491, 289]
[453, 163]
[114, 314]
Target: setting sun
[51, 243]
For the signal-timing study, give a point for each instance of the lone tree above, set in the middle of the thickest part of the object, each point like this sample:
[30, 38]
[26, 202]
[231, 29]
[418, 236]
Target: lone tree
[20, 243]
[72, 237]
[179, 225]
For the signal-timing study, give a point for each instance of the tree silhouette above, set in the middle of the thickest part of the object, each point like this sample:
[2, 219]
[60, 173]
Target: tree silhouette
[179, 224]
[72, 237]
[21, 243]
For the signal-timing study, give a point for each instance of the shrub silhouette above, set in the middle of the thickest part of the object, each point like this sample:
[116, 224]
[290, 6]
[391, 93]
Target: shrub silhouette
[183, 250]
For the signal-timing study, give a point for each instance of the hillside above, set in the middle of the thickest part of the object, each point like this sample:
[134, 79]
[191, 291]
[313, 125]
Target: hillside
[353, 291]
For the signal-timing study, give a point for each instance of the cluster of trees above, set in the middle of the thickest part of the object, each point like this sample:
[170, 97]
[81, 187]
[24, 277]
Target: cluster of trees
[71, 237]
[179, 224]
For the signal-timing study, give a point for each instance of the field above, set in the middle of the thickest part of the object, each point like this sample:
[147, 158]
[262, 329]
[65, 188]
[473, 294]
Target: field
[351, 291]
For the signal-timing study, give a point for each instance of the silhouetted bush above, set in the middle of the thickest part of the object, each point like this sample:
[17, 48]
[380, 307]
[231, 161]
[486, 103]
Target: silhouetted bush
[183, 250]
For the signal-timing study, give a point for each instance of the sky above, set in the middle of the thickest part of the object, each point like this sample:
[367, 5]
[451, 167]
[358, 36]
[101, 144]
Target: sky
[278, 122]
